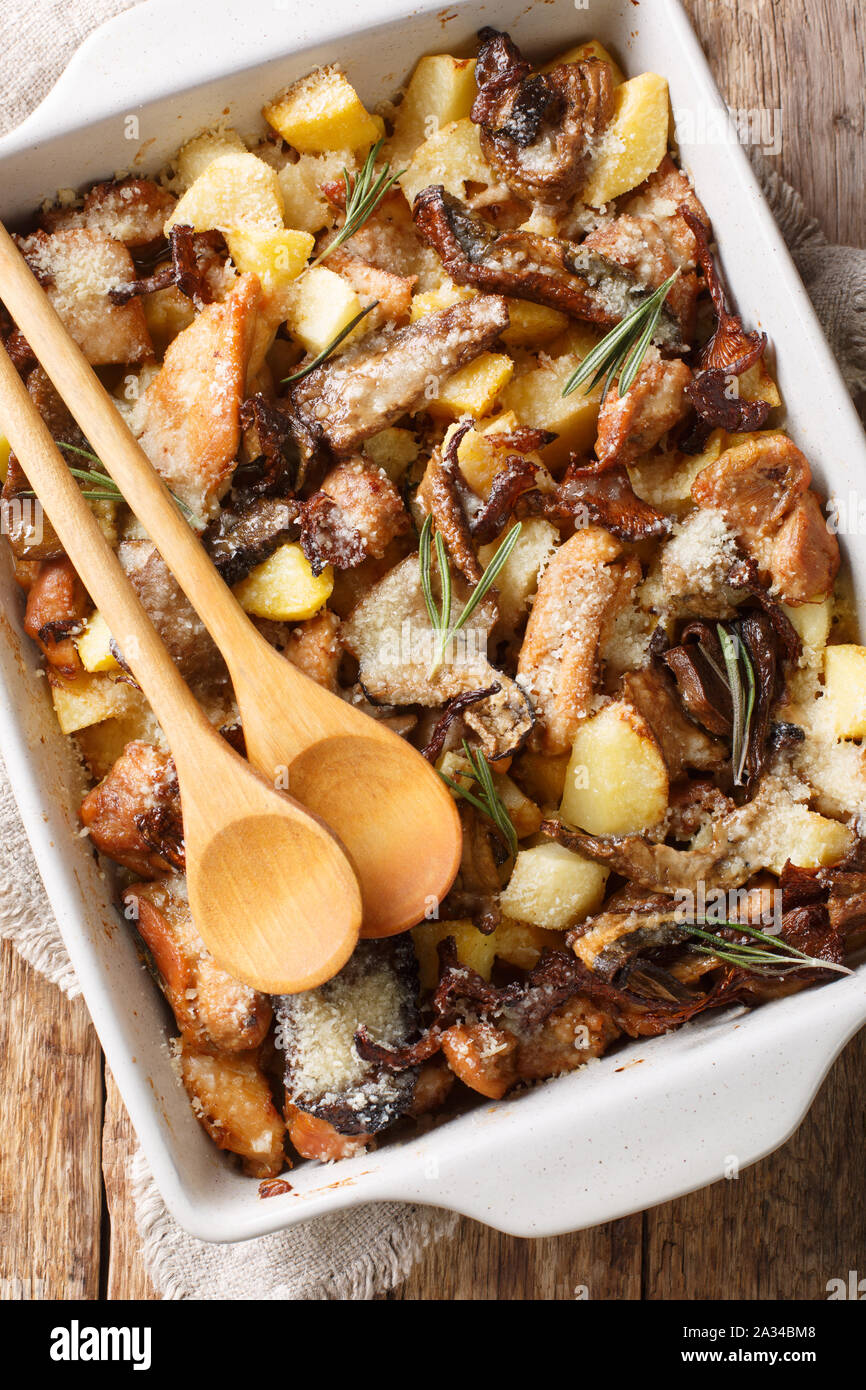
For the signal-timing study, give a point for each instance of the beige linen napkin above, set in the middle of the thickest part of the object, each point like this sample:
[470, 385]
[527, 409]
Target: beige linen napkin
[354, 1254]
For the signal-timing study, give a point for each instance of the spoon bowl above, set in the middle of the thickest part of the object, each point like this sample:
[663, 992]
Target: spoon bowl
[395, 817]
[272, 893]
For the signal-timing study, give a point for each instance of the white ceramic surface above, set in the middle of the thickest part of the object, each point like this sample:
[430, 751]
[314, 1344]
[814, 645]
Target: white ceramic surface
[652, 1121]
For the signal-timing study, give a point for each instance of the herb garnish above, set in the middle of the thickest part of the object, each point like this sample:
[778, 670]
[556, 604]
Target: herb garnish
[739, 678]
[332, 346]
[622, 350]
[440, 618]
[488, 800]
[771, 955]
[363, 196]
[103, 487]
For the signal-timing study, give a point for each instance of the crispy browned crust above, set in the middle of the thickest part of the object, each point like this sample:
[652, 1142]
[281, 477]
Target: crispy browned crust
[373, 1102]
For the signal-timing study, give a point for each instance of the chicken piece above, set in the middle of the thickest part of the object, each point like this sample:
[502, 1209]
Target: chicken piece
[370, 501]
[57, 605]
[317, 1139]
[373, 383]
[188, 420]
[133, 211]
[639, 246]
[762, 489]
[579, 595]
[569, 1037]
[631, 425]
[660, 197]
[804, 554]
[491, 1058]
[78, 269]
[482, 1056]
[389, 632]
[211, 1008]
[538, 129]
[184, 634]
[433, 1087]
[231, 1099]
[393, 292]
[315, 648]
[134, 814]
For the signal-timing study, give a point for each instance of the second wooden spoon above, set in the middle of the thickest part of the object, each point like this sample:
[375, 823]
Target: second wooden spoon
[272, 894]
[386, 803]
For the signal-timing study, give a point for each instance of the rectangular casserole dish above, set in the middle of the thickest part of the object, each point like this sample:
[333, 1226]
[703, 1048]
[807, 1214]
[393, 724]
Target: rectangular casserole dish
[616, 1136]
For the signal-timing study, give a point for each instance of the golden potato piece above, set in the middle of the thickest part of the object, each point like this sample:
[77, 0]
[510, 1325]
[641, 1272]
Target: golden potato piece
[617, 781]
[553, 887]
[635, 141]
[845, 688]
[284, 587]
[323, 111]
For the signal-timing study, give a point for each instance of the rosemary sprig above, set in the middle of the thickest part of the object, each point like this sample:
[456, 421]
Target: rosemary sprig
[440, 618]
[622, 350]
[363, 196]
[488, 800]
[737, 660]
[103, 487]
[332, 346]
[773, 954]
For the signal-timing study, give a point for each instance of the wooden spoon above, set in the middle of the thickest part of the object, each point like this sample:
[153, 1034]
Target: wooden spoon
[270, 888]
[386, 803]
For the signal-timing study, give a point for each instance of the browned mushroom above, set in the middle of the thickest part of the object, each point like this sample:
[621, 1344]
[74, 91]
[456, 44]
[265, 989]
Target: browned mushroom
[325, 1074]
[578, 280]
[374, 382]
[538, 129]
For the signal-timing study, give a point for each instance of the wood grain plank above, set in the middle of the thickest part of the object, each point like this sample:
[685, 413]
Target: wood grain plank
[480, 1264]
[807, 58]
[127, 1276]
[783, 1227]
[50, 1122]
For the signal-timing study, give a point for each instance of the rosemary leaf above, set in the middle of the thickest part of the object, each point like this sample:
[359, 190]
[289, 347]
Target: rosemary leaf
[481, 588]
[465, 793]
[444, 581]
[362, 198]
[488, 802]
[425, 570]
[103, 479]
[332, 346]
[498, 813]
[624, 347]
[773, 953]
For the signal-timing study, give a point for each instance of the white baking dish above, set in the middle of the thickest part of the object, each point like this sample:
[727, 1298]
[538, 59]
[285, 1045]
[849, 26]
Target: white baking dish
[654, 1120]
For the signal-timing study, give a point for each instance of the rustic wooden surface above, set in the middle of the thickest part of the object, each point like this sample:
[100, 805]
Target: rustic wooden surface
[780, 1230]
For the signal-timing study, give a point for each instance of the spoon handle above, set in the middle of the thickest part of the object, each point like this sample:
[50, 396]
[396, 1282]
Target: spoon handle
[95, 561]
[123, 457]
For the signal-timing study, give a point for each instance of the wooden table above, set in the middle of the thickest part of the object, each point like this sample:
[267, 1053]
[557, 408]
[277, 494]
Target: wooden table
[785, 1226]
